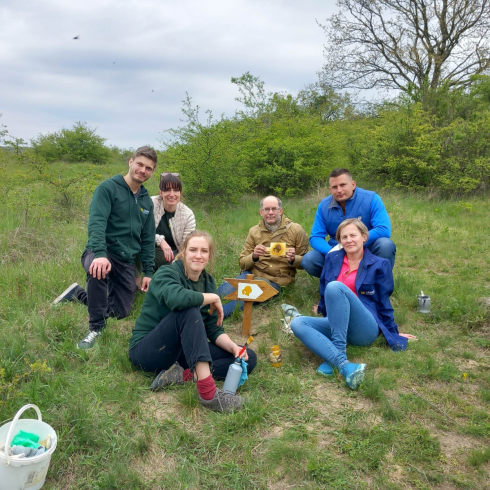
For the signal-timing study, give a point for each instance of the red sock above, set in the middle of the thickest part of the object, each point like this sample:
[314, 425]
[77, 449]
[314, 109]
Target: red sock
[206, 388]
[187, 375]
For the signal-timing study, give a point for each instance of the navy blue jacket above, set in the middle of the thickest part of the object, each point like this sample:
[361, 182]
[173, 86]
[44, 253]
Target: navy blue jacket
[374, 286]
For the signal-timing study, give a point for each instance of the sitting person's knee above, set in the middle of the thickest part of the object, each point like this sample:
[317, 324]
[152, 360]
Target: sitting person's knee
[297, 325]
[385, 246]
[252, 360]
[334, 286]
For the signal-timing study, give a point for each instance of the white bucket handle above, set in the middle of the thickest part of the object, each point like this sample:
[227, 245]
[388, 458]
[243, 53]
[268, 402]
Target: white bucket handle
[8, 441]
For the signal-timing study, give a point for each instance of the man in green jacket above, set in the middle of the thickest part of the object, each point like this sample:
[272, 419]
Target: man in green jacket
[120, 225]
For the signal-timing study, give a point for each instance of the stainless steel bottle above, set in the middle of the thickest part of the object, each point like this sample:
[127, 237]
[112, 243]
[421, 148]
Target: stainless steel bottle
[233, 377]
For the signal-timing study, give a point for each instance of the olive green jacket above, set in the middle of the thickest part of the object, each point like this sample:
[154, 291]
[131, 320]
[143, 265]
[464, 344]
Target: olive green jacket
[273, 268]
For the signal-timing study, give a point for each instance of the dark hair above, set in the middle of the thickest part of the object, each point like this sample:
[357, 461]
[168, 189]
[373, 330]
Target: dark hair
[146, 151]
[338, 172]
[170, 181]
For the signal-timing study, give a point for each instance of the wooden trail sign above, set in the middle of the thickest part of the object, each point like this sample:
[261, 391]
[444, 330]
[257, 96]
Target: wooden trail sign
[250, 290]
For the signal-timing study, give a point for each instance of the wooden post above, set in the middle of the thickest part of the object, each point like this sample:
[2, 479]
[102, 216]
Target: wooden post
[250, 290]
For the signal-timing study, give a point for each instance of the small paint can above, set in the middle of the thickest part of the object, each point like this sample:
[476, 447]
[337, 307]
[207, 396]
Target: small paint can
[424, 303]
[275, 357]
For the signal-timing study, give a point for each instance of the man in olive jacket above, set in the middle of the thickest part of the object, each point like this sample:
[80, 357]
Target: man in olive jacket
[120, 226]
[256, 257]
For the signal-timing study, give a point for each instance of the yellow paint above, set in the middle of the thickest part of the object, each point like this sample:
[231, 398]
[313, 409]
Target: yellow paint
[278, 249]
[246, 290]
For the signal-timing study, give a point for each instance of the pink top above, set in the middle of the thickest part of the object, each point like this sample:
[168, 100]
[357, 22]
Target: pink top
[346, 277]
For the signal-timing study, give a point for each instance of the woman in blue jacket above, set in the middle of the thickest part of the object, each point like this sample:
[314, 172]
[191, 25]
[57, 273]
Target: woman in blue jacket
[356, 287]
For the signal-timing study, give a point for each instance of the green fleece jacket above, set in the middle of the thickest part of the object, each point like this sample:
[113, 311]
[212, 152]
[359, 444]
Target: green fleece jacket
[121, 225]
[170, 290]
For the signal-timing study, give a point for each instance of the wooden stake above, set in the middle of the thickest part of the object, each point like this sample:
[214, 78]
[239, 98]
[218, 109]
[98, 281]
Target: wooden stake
[247, 319]
[247, 314]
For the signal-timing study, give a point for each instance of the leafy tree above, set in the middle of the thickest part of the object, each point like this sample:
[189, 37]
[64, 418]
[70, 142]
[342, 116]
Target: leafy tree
[322, 99]
[208, 156]
[409, 147]
[16, 144]
[399, 44]
[79, 144]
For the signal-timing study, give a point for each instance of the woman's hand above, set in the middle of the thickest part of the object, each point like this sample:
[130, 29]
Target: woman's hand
[215, 301]
[167, 251]
[228, 345]
[236, 351]
[408, 336]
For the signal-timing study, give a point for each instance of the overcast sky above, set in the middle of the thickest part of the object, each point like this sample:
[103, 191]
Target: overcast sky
[128, 72]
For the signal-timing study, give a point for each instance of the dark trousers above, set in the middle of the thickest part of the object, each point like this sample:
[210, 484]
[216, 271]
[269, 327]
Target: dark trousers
[181, 337]
[112, 296]
[159, 261]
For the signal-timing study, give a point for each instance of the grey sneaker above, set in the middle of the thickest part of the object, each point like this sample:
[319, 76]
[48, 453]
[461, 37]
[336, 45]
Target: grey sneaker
[290, 311]
[89, 341]
[222, 402]
[67, 294]
[286, 324]
[174, 374]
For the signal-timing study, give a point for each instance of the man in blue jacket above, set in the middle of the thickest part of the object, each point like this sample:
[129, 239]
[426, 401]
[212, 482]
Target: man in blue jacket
[348, 201]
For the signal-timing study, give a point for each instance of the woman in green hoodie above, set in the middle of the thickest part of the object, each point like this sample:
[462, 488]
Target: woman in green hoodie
[179, 334]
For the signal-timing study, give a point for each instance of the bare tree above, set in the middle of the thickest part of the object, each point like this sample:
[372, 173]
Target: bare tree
[402, 44]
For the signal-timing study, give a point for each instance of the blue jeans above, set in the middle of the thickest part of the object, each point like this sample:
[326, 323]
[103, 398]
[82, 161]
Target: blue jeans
[226, 288]
[347, 321]
[313, 261]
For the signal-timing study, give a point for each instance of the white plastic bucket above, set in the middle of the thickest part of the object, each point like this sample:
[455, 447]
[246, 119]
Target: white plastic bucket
[25, 473]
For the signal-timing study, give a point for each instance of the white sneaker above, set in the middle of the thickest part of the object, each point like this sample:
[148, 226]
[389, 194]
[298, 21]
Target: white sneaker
[89, 341]
[67, 294]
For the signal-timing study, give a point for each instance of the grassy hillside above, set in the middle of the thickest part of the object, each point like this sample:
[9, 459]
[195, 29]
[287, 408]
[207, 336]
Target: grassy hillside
[421, 420]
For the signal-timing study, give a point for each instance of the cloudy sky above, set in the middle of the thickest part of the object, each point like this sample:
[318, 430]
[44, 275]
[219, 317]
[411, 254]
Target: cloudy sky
[128, 72]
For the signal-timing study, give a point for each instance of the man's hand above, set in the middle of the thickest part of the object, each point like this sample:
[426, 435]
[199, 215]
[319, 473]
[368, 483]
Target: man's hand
[167, 251]
[145, 283]
[99, 268]
[408, 336]
[291, 255]
[259, 251]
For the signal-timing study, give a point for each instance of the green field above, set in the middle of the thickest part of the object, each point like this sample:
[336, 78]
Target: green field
[421, 419]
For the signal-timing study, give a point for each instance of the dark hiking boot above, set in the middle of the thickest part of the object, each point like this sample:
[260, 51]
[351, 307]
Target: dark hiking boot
[173, 375]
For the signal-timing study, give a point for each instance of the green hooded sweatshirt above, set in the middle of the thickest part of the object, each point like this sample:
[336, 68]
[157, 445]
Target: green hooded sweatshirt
[170, 290]
[122, 225]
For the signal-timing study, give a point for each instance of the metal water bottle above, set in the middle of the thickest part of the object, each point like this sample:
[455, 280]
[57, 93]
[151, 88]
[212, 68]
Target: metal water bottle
[424, 303]
[233, 377]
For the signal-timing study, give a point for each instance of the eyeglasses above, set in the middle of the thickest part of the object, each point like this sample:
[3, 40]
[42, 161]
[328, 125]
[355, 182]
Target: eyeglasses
[274, 210]
[164, 174]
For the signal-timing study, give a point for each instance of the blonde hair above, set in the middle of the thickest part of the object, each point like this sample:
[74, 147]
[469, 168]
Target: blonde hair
[183, 248]
[352, 221]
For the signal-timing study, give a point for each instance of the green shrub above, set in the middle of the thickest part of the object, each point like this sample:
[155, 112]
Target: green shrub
[441, 142]
[79, 144]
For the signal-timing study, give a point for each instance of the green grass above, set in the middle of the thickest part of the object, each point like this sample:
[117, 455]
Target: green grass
[421, 419]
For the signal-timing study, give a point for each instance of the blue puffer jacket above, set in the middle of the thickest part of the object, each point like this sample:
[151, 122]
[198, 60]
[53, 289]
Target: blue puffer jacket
[374, 286]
